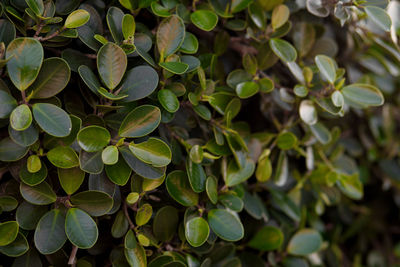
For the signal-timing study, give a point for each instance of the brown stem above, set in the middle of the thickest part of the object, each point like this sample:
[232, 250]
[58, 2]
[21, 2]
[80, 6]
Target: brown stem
[125, 208]
[72, 256]
[39, 29]
[54, 34]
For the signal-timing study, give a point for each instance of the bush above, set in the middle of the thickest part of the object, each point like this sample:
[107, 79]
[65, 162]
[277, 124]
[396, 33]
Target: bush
[199, 133]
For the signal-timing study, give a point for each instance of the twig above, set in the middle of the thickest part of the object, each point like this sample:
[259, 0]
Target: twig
[72, 256]
[125, 208]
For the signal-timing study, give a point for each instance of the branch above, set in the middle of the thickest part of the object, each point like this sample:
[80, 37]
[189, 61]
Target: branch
[72, 256]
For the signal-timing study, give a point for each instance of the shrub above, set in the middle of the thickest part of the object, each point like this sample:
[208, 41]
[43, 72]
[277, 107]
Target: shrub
[198, 133]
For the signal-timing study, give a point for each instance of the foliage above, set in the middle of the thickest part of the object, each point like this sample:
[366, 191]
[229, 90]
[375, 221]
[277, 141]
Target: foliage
[199, 133]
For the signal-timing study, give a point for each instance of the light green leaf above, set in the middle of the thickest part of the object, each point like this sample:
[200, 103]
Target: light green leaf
[153, 151]
[305, 242]
[327, 67]
[93, 138]
[141, 121]
[63, 157]
[21, 118]
[179, 189]
[379, 16]
[363, 94]
[77, 19]
[196, 231]
[8, 232]
[283, 49]
[225, 225]
[204, 19]
[308, 112]
[170, 35]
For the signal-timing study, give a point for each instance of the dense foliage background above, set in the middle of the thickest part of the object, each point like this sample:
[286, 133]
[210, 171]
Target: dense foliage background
[199, 133]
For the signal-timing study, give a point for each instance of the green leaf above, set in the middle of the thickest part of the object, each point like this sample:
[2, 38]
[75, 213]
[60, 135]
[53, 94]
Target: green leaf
[308, 113]
[196, 231]
[283, 49]
[143, 214]
[196, 154]
[80, 228]
[41, 194]
[212, 189]
[33, 163]
[53, 77]
[379, 17]
[141, 168]
[109, 155]
[351, 186]
[175, 67]
[247, 89]
[93, 138]
[153, 151]
[128, 26]
[363, 94]
[63, 157]
[114, 21]
[139, 83]
[89, 78]
[134, 252]
[225, 225]
[21, 118]
[50, 234]
[280, 15]
[71, 179]
[286, 140]
[17, 248]
[337, 99]
[168, 100]
[96, 203]
[231, 201]
[179, 189]
[8, 232]
[10, 151]
[8, 203]
[28, 215]
[170, 35]
[165, 223]
[267, 238]
[119, 173]
[305, 242]
[91, 161]
[321, 133]
[327, 67]
[33, 178]
[141, 121]
[111, 64]
[120, 225]
[236, 175]
[77, 19]
[204, 19]
[52, 119]
[190, 44]
[7, 104]
[36, 6]
[197, 176]
[24, 66]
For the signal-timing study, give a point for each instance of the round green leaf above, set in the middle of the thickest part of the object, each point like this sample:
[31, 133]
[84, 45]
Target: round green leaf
[175, 67]
[286, 140]
[190, 44]
[308, 112]
[363, 94]
[96, 203]
[21, 118]
[168, 100]
[143, 169]
[24, 66]
[204, 19]
[7, 31]
[119, 172]
[327, 67]
[11, 151]
[165, 223]
[52, 119]
[140, 122]
[8, 232]
[153, 151]
[77, 19]
[143, 214]
[111, 63]
[7, 104]
[212, 189]
[114, 21]
[80, 228]
[231, 201]
[140, 82]
[379, 17]
[50, 234]
[63, 157]
[53, 77]
[110, 155]
[33, 163]
[36, 6]
[70, 179]
[41, 194]
[93, 138]
[305, 242]
[179, 189]
[280, 15]
[28, 215]
[283, 49]
[247, 89]
[120, 225]
[33, 178]
[196, 231]
[236, 175]
[197, 176]
[267, 239]
[170, 35]
[17, 248]
[225, 225]
[128, 26]
[8, 203]
[24, 138]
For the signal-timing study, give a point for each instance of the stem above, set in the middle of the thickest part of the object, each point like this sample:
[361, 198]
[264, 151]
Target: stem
[125, 208]
[72, 256]
[24, 97]
[54, 34]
